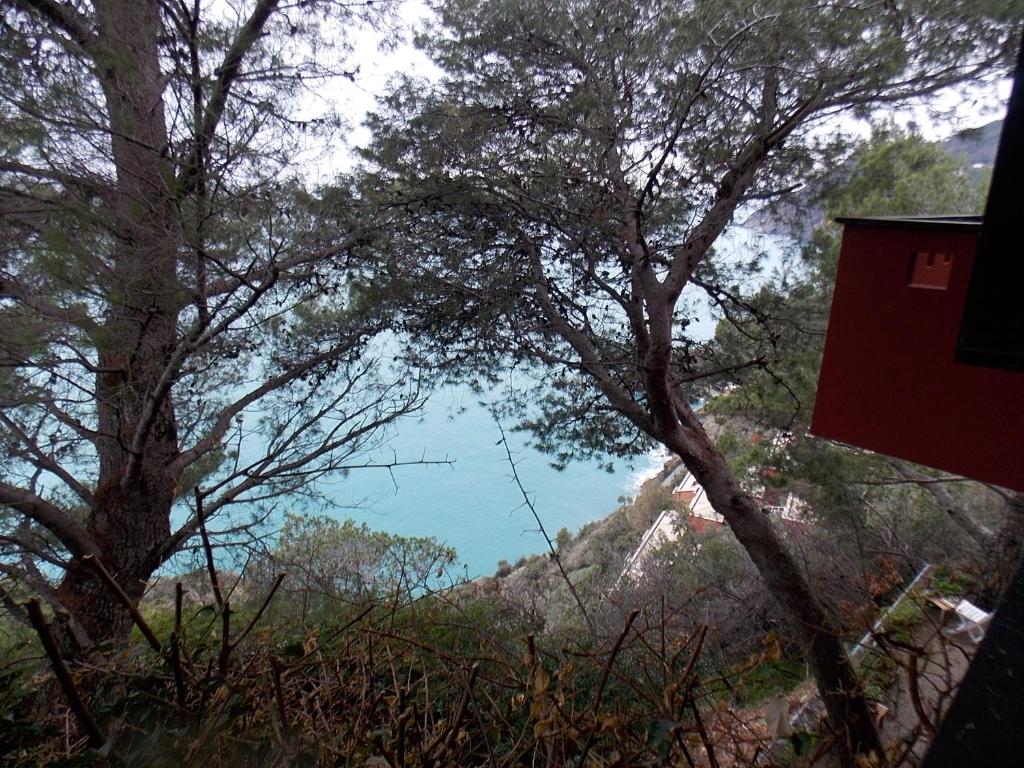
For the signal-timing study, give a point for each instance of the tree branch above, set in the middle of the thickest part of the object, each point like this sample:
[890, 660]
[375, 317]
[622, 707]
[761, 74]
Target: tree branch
[64, 678]
[543, 531]
[226, 74]
[618, 397]
[731, 190]
[42, 461]
[70, 533]
[223, 421]
[64, 17]
[11, 288]
[195, 340]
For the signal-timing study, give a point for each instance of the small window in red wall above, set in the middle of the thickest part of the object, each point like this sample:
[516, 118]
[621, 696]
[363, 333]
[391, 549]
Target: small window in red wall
[931, 270]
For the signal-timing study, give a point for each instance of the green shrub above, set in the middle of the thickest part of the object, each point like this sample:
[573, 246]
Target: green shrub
[767, 679]
[947, 582]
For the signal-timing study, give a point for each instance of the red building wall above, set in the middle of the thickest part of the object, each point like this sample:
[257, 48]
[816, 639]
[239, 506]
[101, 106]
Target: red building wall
[888, 379]
[702, 524]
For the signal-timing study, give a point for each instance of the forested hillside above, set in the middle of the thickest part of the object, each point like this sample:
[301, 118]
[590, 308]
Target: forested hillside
[975, 148]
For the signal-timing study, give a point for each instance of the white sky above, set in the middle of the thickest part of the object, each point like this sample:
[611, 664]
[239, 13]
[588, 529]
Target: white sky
[938, 118]
[357, 97]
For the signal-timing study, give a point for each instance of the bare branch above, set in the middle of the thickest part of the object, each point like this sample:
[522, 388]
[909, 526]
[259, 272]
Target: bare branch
[60, 671]
[259, 611]
[226, 73]
[55, 520]
[192, 342]
[223, 422]
[540, 525]
[43, 461]
[129, 605]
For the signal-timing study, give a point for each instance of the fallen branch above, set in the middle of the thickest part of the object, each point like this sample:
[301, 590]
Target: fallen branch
[604, 681]
[60, 671]
[93, 562]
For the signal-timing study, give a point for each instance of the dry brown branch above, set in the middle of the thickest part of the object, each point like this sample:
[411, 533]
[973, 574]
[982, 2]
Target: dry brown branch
[127, 602]
[599, 695]
[211, 568]
[259, 611]
[64, 679]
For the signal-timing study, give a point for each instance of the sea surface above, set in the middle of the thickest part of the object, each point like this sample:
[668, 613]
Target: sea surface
[474, 504]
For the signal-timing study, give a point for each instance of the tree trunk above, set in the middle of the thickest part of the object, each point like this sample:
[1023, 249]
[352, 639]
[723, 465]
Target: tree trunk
[960, 516]
[135, 414]
[1005, 553]
[669, 420]
[837, 681]
[676, 425]
[127, 528]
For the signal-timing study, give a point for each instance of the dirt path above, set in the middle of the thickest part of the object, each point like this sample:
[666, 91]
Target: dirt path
[937, 665]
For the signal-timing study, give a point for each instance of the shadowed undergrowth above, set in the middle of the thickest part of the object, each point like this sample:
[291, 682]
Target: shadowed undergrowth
[429, 681]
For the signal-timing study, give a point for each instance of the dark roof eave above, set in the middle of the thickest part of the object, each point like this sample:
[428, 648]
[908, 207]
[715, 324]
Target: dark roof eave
[912, 222]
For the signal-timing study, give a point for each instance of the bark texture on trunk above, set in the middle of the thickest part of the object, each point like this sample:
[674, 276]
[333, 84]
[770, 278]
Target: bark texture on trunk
[127, 527]
[676, 426]
[138, 439]
[838, 684]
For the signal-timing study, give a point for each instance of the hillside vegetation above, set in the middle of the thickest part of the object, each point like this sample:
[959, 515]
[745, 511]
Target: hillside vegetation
[206, 325]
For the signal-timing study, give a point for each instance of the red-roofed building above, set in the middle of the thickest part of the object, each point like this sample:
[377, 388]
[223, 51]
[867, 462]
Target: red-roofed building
[694, 514]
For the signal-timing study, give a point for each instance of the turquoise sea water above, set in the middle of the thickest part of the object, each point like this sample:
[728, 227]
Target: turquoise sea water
[474, 505]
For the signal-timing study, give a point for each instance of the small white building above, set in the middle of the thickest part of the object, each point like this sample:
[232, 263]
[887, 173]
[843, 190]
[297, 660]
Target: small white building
[693, 511]
[691, 494]
[665, 528]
